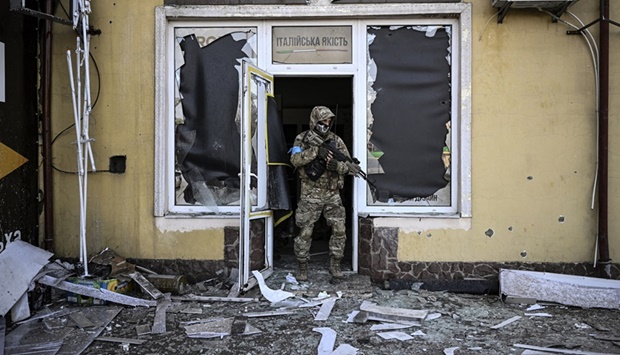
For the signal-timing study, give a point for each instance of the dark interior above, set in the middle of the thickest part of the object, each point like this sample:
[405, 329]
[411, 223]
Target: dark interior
[296, 96]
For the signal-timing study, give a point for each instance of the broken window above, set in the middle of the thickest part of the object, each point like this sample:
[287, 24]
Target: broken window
[410, 115]
[207, 113]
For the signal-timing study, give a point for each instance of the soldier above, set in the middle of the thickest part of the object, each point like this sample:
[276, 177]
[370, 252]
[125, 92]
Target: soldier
[321, 177]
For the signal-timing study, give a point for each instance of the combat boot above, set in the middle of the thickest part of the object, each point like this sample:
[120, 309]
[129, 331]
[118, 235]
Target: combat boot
[334, 268]
[302, 271]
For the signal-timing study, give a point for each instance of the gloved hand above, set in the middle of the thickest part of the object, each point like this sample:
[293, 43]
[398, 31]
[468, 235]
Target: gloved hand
[323, 153]
[332, 165]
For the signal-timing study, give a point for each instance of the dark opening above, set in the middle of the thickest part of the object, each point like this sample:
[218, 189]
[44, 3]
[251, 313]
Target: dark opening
[296, 96]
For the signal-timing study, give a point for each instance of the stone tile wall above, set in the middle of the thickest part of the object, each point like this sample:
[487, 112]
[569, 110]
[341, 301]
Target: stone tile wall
[378, 251]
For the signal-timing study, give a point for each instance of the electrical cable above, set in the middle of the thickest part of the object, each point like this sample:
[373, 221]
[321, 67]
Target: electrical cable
[597, 93]
[594, 54]
[486, 24]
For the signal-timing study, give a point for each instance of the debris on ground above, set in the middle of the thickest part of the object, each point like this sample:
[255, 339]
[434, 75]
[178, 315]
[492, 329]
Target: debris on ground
[283, 316]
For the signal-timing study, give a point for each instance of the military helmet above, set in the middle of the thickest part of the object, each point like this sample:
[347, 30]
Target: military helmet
[320, 113]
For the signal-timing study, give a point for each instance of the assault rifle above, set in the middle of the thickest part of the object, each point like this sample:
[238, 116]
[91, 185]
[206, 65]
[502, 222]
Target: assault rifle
[352, 163]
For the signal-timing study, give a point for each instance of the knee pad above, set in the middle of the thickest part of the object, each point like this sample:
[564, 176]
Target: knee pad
[306, 232]
[339, 230]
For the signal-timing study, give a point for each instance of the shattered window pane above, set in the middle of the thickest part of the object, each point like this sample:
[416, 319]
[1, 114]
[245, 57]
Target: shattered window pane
[207, 140]
[409, 115]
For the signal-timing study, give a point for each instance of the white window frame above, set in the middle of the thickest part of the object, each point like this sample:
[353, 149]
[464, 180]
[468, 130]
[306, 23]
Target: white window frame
[264, 17]
[455, 132]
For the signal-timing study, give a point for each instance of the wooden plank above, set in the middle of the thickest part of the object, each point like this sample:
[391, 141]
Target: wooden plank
[96, 293]
[146, 285]
[121, 340]
[571, 290]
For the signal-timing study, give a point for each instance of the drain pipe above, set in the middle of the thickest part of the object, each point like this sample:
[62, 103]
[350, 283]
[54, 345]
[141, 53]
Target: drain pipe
[46, 85]
[603, 146]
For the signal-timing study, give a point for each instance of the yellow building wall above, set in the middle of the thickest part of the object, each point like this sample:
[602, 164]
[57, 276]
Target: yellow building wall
[120, 206]
[533, 145]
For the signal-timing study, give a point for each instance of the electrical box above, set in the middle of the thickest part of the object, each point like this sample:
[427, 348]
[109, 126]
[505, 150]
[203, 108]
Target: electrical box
[555, 7]
[533, 4]
[31, 8]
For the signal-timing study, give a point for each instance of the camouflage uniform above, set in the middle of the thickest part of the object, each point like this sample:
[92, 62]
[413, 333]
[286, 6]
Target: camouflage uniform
[320, 196]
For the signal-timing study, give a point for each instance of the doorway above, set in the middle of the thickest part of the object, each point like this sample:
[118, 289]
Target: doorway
[296, 96]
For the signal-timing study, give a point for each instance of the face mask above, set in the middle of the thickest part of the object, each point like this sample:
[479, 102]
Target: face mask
[322, 127]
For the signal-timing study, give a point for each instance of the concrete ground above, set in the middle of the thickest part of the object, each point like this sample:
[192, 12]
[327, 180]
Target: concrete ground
[454, 323]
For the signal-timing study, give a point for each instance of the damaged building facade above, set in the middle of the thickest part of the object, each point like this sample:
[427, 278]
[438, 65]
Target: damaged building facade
[476, 126]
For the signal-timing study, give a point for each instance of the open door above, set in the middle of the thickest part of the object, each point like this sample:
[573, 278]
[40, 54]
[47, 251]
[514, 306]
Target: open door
[256, 219]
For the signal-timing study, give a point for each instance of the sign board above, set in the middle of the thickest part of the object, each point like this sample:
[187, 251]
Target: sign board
[312, 45]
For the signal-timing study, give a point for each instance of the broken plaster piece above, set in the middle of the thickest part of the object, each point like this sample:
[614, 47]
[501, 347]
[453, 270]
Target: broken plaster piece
[390, 326]
[556, 350]
[325, 310]
[344, 349]
[418, 333]
[534, 307]
[291, 279]
[537, 315]
[328, 340]
[159, 322]
[96, 293]
[20, 262]
[269, 294]
[506, 322]
[266, 314]
[398, 315]
[450, 351]
[395, 335]
[121, 340]
[433, 316]
[570, 290]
